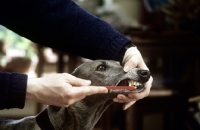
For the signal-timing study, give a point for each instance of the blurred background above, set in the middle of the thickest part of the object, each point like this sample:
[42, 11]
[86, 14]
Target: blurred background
[167, 32]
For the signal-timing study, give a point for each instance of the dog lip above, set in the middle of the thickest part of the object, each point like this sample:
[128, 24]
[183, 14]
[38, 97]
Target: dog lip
[123, 83]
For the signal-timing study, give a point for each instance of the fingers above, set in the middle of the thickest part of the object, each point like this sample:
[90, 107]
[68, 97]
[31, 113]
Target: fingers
[143, 66]
[89, 90]
[128, 105]
[80, 89]
[133, 62]
[85, 89]
[133, 59]
[78, 93]
[124, 99]
[144, 93]
[130, 65]
[133, 97]
[74, 81]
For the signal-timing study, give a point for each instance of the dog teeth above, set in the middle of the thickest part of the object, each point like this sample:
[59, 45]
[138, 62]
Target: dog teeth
[129, 83]
[133, 83]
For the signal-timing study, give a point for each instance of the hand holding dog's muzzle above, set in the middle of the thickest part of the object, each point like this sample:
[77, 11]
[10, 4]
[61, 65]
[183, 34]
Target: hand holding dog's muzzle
[133, 59]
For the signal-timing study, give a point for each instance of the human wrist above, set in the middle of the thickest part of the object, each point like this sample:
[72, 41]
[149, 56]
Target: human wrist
[31, 89]
[122, 52]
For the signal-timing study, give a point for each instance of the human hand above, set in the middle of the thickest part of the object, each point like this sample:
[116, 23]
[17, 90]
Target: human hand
[60, 89]
[132, 59]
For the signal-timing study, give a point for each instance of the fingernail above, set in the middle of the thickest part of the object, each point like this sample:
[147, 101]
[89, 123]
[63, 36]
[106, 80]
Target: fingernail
[87, 82]
[104, 90]
[126, 68]
[126, 108]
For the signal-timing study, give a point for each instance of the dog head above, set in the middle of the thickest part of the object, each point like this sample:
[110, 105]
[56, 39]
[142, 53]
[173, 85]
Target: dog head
[84, 114]
[110, 73]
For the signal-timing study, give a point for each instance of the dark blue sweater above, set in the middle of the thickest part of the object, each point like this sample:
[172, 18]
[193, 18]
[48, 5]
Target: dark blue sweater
[60, 24]
[12, 90]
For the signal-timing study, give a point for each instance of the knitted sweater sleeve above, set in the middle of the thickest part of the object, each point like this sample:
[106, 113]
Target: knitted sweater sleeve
[12, 90]
[62, 25]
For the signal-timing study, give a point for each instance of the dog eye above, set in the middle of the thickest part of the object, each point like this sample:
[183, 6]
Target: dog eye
[101, 68]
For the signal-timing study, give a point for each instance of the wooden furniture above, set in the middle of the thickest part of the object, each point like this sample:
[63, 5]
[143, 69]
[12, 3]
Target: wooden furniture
[179, 54]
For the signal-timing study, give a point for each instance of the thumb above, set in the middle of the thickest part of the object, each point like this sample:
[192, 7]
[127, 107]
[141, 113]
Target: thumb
[130, 59]
[129, 65]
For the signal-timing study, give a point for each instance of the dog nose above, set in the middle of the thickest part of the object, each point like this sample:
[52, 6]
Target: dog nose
[144, 74]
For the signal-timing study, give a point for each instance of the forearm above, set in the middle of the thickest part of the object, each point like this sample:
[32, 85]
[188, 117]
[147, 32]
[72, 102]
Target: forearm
[63, 25]
[12, 90]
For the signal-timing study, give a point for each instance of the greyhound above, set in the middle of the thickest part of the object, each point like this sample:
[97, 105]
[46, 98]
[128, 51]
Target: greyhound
[84, 114]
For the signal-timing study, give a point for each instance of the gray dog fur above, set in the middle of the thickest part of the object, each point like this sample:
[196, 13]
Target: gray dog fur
[84, 114]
